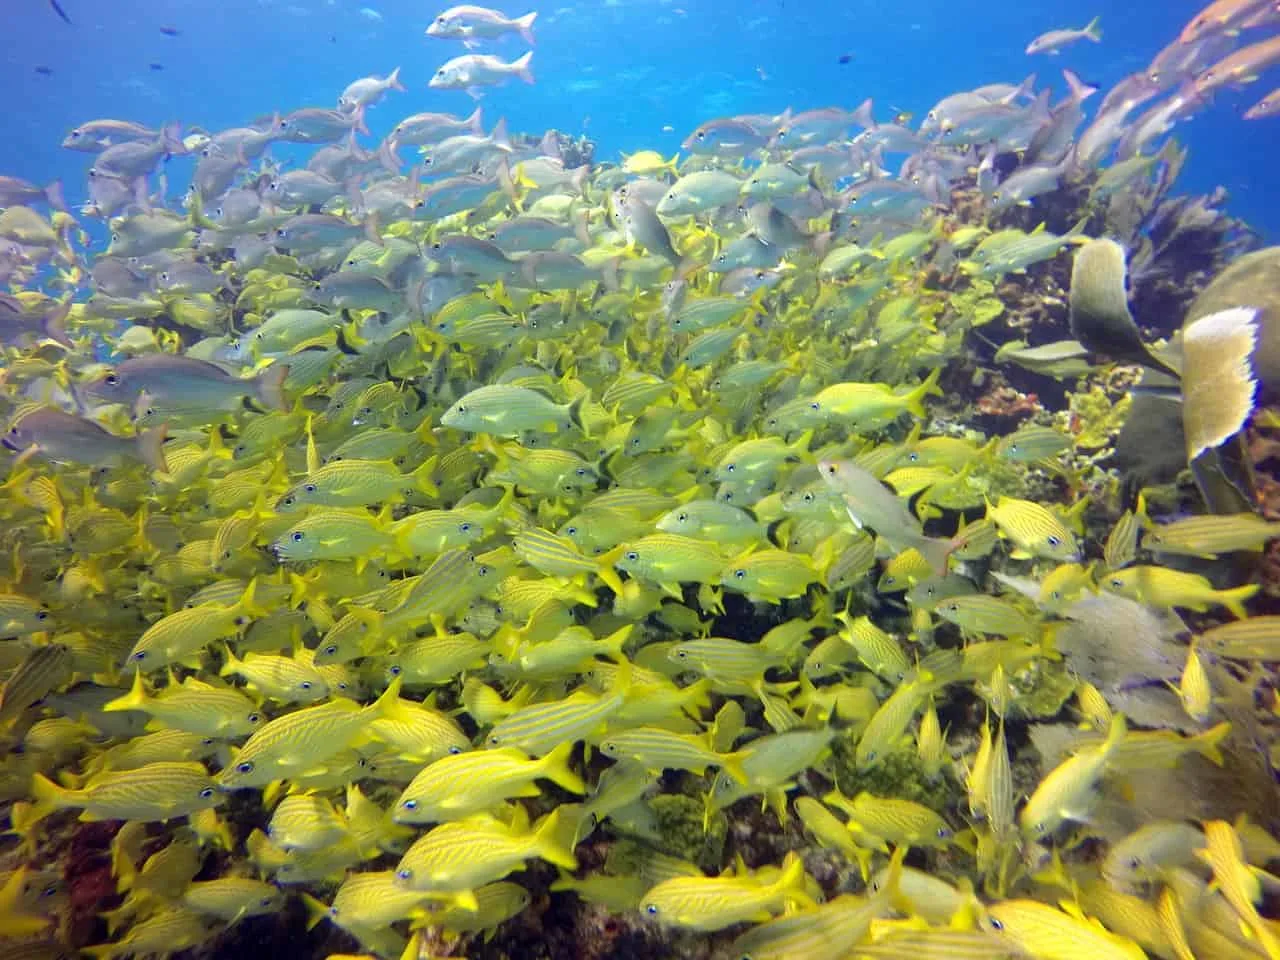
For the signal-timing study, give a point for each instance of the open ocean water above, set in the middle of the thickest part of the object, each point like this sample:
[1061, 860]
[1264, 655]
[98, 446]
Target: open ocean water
[630, 74]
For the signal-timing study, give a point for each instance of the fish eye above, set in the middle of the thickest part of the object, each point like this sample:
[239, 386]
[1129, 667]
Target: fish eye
[245, 767]
[730, 468]
[267, 901]
[1134, 863]
[943, 833]
[996, 924]
[206, 793]
[1053, 540]
[410, 804]
[740, 574]
[289, 501]
[139, 655]
[305, 685]
[42, 615]
[632, 556]
[871, 756]
[310, 488]
[111, 379]
[495, 740]
[330, 650]
[682, 654]
[296, 537]
[454, 751]
[207, 742]
[395, 670]
[683, 517]
[651, 909]
[404, 874]
[254, 718]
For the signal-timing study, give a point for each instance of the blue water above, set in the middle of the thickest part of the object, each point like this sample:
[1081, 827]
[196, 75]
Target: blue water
[631, 74]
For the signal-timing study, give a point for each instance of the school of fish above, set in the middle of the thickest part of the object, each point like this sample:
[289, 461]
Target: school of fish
[415, 546]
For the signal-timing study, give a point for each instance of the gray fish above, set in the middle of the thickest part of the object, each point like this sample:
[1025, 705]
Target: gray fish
[748, 250]
[874, 506]
[530, 233]
[309, 232]
[1026, 183]
[96, 135]
[471, 255]
[302, 188]
[728, 137]
[167, 381]
[65, 438]
[557, 270]
[644, 227]
[20, 193]
[367, 91]
[424, 128]
[357, 291]
[139, 158]
[454, 195]
[145, 233]
[317, 125]
[475, 70]
[467, 151]
[1054, 40]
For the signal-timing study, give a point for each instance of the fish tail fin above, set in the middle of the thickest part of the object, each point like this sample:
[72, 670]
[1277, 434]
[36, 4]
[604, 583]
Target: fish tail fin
[791, 883]
[553, 839]
[937, 552]
[862, 115]
[525, 26]
[1094, 30]
[614, 643]
[422, 477]
[393, 80]
[1208, 742]
[53, 193]
[1080, 92]
[522, 68]
[1234, 600]
[1115, 734]
[388, 703]
[555, 767]
[731, 763]
[316, 911]
[476, 122]
[269, 386]
[171, 134]
[248, 602]
[151, 447]
[357, 122]
[232, 664]
[929, 387]
[575, 411]
[135, 699]
[49, 796]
